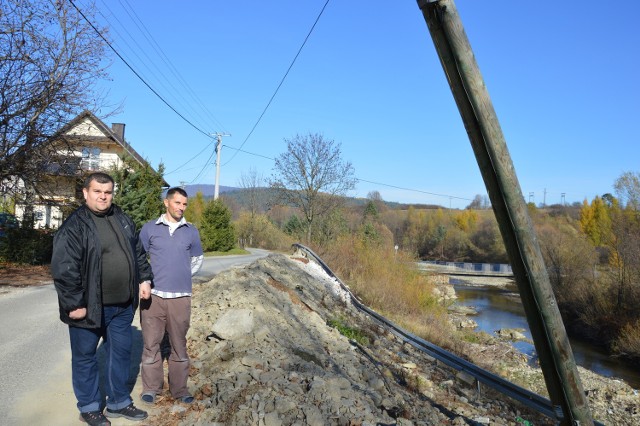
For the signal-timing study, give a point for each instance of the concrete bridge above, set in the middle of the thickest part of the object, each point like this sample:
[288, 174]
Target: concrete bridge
[502, 270]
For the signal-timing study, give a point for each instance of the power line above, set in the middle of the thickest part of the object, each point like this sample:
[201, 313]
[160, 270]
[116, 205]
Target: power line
[203, 167]
[174, 71]
[282, 80]
[188, 161]
[250, 153]
[450, 197]
[415, 190]
[136, 73]
[158, 50]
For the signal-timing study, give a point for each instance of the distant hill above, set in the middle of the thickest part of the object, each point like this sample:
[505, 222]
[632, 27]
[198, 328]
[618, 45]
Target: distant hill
[239, 195]
[208, 190]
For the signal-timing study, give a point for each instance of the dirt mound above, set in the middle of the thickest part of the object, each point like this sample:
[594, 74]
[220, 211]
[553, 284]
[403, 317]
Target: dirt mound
[263, 354]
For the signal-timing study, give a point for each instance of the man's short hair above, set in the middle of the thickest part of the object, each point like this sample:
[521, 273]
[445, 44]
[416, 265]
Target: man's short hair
[175, 189]
[99, 177]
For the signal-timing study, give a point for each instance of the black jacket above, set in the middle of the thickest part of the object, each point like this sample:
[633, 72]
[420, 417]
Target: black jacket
[76, 265]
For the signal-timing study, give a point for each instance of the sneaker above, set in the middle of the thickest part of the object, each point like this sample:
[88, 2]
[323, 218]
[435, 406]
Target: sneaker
[130, 412]
[148, 398]
[95, 418]
[187, 399]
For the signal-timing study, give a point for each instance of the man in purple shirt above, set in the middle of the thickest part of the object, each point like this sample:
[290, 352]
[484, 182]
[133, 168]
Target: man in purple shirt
[175, 253]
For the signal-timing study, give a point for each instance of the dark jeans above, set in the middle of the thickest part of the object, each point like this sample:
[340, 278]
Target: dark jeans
[117, 340]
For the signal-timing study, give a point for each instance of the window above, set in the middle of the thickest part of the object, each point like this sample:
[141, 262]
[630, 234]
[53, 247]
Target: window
[91, 158]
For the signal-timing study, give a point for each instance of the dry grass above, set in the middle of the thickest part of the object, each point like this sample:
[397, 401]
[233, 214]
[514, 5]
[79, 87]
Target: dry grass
[628, 341]
[389, 283]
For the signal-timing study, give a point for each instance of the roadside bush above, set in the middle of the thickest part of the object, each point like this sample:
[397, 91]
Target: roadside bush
[27, 246]
[258, 231]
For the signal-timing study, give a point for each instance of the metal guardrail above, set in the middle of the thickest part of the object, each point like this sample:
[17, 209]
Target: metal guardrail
[526, 397]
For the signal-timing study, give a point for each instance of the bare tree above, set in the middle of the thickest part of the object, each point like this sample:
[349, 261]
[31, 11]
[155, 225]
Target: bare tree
[627, 188]
[376, 198]
[50, 60]
[479, 202]
[312, 176]
[251, 182]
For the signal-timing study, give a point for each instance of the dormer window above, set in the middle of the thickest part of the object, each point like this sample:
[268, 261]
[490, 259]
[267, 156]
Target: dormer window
[91, 158]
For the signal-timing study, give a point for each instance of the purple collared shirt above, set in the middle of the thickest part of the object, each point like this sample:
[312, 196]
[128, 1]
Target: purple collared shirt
[171, 254]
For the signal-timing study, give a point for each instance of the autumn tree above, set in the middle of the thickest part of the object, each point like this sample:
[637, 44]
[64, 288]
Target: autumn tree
[259, 231]
[51, 60]
[570, 259]
[595, 221]
[414, 231]
[488, 243]
[624, 258]
[195, 209]
[466, 220]
[312, 176]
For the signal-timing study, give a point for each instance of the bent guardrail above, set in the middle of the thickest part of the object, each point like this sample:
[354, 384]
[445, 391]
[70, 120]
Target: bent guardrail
[526, 397]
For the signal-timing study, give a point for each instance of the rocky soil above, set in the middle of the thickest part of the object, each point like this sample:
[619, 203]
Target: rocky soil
[263, 354]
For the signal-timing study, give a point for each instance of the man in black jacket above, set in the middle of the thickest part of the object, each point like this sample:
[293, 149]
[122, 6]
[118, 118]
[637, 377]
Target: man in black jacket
[97, 266]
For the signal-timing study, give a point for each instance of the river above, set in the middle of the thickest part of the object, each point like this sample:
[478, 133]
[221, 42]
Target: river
[499, 308]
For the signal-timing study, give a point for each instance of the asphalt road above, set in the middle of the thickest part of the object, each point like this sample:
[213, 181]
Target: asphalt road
[35, 360]
[213, 265]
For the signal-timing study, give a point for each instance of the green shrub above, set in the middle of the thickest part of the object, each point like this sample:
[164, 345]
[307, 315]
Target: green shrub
[216, 230]
[30, 246]
[348, 332]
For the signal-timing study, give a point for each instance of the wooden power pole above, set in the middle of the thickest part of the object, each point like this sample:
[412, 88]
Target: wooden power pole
[490, 149]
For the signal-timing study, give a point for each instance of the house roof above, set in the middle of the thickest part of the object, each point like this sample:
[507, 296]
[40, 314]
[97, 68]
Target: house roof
[106, 130]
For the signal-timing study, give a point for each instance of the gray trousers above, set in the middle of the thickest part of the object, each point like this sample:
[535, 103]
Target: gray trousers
[158, 315]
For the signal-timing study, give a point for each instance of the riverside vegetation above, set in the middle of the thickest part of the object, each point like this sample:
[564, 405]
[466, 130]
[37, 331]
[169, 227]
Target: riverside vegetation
[592, 252]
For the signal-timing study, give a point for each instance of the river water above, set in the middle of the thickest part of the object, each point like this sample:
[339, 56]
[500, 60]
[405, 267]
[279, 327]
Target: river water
[499, 308]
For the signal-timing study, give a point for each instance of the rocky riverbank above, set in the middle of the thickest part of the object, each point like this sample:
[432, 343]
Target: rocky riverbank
[263, 354]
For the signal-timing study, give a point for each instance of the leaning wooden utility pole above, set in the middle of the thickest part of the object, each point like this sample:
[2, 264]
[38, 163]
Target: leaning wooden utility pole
[480, 120]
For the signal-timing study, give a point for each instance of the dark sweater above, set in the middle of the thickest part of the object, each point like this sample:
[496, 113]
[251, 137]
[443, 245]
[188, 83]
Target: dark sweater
[117, 266]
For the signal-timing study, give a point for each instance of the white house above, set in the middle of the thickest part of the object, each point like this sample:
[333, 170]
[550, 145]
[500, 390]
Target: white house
[84, 145]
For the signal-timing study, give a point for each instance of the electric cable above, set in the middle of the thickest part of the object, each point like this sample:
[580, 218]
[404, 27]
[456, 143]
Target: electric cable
[281, 81]
[136, 73]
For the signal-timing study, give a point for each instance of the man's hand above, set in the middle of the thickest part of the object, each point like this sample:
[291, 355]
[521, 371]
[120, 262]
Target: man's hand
[78, 314]
[145, 290]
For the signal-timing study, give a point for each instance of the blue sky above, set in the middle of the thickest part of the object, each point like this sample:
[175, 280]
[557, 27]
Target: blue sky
[562, 78]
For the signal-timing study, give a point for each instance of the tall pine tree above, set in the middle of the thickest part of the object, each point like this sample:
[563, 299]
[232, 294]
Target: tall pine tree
[216, 230]
[138, 190]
